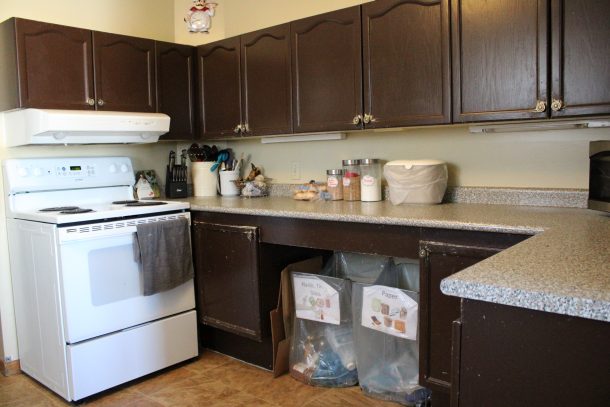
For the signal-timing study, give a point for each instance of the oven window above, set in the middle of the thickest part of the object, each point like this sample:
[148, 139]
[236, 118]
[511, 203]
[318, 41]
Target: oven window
[114, 274]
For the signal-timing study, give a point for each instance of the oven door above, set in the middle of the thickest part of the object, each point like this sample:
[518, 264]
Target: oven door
[101, 282]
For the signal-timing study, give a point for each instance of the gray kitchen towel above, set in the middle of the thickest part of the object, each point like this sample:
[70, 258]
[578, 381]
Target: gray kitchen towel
[164, 251]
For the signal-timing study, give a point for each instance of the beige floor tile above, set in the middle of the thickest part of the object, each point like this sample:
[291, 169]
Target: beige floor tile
[346, 397]
[207, 360]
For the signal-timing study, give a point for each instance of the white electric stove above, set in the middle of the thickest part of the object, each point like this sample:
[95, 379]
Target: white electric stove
[83, 323]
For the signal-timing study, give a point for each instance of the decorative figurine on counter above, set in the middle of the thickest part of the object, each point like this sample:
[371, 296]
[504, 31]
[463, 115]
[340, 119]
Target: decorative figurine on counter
[199, 17]
[254, 185]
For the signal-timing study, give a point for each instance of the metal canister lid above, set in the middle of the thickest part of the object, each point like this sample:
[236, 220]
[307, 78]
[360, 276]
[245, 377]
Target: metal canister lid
[351, 162]
[369, 161]
[334, 172]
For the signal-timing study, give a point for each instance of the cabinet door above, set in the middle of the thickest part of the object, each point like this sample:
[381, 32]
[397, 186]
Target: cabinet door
[124, 73]
[327, 71]
[406, 62]
[581, 57]
[499, 60]
[54, 66]
[227, 274]
[219, 88]
[175, 88]
[266, 85]
[438, 311]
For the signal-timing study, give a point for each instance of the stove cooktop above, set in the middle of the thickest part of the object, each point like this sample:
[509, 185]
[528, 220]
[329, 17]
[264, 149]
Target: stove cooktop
[90, 212]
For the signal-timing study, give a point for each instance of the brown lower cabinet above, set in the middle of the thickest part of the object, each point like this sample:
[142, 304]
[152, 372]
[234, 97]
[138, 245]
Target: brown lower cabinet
[513, 356]
[238, 260]
[443, 253]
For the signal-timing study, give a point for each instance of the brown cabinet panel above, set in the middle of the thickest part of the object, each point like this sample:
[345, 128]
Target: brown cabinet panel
[438, 311]
[406, 62]
[219, 88]
[581, 57]
[227, 274]
[266, 83]
[513, 356]
[54, 65]
[175, 88]
[327, 71]
[499, 59]
[124, 73]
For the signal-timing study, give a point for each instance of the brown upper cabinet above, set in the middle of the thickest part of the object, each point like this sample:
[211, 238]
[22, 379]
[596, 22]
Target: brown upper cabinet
[219, 89]
[175, 88]
[245, 84]
[499, 60]
[266, 83]
[327, 71]
[406, 64]
[124, 73]
[57, 67]
[501, 51]
[46, 66]
[580, 57]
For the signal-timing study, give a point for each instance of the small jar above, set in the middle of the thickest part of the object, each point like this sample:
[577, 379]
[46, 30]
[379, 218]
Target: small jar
[370, 180]
[351, 180]
[334, 184]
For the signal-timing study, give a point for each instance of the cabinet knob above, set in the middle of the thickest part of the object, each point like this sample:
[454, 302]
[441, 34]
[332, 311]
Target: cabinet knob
[368, 118]
[237, 129]
[91, 102]
[100, 102]
[540, 106]
[357, 120]
[556, 105]
[246, 128]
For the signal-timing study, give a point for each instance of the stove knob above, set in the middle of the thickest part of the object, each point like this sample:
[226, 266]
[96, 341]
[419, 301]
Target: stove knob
[23, 172]
[37, 172]
[112, 168]
[124, 168]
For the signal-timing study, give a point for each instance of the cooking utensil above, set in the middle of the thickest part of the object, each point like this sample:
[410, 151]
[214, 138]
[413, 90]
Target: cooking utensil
[223, 155]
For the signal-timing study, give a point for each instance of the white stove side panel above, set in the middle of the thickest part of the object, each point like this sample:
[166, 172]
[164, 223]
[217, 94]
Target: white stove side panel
[33, 260]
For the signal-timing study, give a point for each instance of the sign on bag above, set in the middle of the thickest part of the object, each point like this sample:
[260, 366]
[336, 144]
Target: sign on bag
[316, 300]
[389, 310]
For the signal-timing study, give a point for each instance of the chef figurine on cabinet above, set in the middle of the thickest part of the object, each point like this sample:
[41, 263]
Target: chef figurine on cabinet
[199, 17]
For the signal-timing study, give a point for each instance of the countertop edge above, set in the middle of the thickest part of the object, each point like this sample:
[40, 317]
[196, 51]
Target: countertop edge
[538, 301]
[384, 220]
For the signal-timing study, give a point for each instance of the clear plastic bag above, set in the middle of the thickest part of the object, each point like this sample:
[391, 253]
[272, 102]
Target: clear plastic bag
[357, 267]
[322, 346]
[388, 366]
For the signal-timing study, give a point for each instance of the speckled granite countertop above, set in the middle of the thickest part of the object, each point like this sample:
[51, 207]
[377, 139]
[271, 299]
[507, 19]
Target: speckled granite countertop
[564, 268]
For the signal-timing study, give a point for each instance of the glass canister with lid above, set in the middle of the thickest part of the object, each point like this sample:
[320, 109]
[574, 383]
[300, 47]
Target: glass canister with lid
[370, 180]
[334, 184]
[351, 180]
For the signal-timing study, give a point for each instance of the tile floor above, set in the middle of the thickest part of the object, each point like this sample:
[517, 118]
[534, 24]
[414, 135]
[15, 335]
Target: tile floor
[212, 380]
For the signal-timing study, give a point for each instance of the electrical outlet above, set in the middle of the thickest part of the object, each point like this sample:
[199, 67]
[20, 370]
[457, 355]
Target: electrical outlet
[295, 170]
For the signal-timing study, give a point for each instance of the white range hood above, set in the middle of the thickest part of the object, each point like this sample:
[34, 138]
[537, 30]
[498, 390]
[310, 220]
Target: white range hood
[45, 126]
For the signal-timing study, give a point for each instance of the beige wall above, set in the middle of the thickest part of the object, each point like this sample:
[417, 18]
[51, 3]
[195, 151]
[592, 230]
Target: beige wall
[144, 18]
[141, 18]
[549, 159]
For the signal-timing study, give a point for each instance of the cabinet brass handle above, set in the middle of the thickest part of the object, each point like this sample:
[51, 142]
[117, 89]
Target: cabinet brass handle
[540, 106]
[556, 105]
[246, 128]
[237, 129]
[357, 120]
[368, 118]
[91, 101]
[100, 102]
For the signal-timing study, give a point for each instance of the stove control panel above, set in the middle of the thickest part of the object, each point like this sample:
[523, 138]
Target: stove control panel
[40, 174]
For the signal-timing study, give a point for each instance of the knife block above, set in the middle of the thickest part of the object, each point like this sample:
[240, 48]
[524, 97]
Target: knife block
[174, 189]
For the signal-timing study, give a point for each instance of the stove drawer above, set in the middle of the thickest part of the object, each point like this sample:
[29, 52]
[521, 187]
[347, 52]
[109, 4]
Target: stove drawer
[108, 361]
